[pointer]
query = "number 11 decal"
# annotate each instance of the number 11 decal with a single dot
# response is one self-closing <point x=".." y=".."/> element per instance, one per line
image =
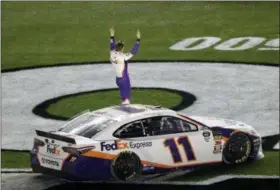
<point x="173" y="148"/>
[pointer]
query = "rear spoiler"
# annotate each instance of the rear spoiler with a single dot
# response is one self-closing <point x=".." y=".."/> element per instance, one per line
<point x="55" y="136"/>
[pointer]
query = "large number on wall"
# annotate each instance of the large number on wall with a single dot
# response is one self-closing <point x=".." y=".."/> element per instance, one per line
<point x="233" y="44"/>
<point x="174" y="150"/>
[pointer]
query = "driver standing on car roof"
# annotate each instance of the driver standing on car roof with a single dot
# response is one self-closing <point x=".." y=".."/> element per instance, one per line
<point x="119" y="59"/>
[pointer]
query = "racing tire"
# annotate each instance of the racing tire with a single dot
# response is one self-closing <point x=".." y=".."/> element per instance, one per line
<point x="237" y="149"/>
<point x="126" y="166"/>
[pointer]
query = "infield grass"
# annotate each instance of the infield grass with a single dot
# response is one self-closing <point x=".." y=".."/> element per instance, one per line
<point x="71" y="106"/>
<point x="45" y="33"/>
<point x="15" y="159"/>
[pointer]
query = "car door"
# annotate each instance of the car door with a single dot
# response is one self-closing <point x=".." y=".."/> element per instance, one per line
<point x="133" y="136"/>
<point x="177" y="142"/>
<point x="168" y="142"/>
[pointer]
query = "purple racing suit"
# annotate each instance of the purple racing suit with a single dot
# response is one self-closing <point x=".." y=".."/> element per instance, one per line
<point x="120" y="63"/>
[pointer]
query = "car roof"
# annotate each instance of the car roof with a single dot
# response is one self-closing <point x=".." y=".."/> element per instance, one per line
<point x="121" y="112"/>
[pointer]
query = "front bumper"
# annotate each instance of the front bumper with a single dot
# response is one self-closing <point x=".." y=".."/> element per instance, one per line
<point x="260" y="154"/>
<point x="257" y="152"/>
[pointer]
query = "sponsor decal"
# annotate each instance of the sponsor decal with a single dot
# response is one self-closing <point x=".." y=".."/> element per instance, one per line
<point x="118" y="145"/>
<point x="52" y="148"/>
<point x="114" y="146"/>
<point x="140" y="145"/>
<point x="148" y="168"/>
<point x="73" y="159"/>
<point x="206" y="135"/>
<point x="49" y="162"/>
<point x="232" y="44"/>
<point x="230" y="122"/>
<point x="217" y="146"/>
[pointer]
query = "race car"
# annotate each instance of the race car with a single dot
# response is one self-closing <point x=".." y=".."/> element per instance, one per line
<point x="124" y="142"/>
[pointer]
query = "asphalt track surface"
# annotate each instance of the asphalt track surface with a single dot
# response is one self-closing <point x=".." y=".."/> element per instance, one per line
<point x="246" y="93"/>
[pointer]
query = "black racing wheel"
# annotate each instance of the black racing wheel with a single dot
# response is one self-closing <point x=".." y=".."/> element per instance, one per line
<point x="126" y="166"/>
<point x="238" y="148"/>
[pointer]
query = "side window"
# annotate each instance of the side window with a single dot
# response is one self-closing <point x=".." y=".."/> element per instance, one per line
<point x="186" y="126"/>
<point x="166" y="125"/>
<point x="130" y="130"/>
<point x="152" y="126"/>
<point x="169" y="125"/>
<point x="161" y="126"/>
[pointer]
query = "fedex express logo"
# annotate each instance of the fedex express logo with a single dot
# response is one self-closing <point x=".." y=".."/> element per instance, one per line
<point x="115" y="146"/>
<point x="53" y="149"/>
<point x="118" y="145"/>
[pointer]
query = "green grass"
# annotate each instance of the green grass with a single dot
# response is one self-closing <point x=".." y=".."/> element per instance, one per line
<point x="267" y="166"/>
<point x="73" y="105"/>
<point x="36" y="33"/>
<point x="15" y="159"/>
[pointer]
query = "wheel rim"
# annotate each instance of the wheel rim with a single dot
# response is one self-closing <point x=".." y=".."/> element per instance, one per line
<point x="124" y="167"/>
<point x="238" y="149"/>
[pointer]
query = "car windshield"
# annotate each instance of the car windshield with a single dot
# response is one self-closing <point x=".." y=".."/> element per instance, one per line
<point x="86" y="124"/>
